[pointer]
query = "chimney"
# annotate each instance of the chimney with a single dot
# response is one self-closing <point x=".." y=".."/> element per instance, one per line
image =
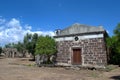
<point x="57" y="32"/>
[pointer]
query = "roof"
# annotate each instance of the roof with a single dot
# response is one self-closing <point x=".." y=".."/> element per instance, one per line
<point x="80" y="29"/>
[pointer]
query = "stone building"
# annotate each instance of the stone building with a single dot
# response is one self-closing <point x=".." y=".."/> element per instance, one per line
<point x="14" y="53"/>
<point x="81" y="45"/>
<point x="10" y="52"/>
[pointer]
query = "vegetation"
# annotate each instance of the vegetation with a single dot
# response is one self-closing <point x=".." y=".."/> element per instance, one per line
<point x="45" y="48"/>
<point x="34" y="44"/>
<point x="45" y="45"/>
<point x="110" y="67"/>
<point x="28" y="44"/>
<point x="0" y="50"/>
<point x="113" y="43"/>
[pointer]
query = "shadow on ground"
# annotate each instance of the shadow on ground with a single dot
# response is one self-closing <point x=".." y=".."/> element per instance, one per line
<point x="115" y="77"/>
<point x="2" y="57"/>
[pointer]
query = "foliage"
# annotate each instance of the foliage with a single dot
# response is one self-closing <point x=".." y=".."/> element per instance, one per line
<point x="110" y="67"/>
<point x="45" y="45"/>
<point x="27" y="41"/>
<point x="113" y="43"/>
<point x="0" y="50"/>
<point x="30" y="42"/>
<point x="33" y="42"/>
<point x="9" y="45"/>
<point x="117" y="32"/>
<point x="20" y="47"/>
<point x="94" y="74"/>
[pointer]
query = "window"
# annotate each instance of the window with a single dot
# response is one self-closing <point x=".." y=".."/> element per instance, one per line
<point x="76" y="38"/>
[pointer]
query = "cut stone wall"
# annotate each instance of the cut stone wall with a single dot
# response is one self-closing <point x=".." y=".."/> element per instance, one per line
<point x="93" y="51"/>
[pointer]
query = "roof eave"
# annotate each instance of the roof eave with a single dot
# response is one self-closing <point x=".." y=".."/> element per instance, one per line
<point x="80" y="34"/>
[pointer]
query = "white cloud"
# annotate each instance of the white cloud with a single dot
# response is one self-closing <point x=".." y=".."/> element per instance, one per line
<point x="107" y="31"/>
<point x="2" y="21"/>
<point x="14" y="23"/>
<point x="13" y="31"/>
<point x="27" y="27"/>
<point x="51" y="33"/>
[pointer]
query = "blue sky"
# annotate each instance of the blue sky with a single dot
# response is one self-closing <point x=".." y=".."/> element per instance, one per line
<point x="45" y="16"/>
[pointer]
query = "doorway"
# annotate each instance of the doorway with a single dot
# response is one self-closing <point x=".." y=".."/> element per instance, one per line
<point x="77" y="56"/>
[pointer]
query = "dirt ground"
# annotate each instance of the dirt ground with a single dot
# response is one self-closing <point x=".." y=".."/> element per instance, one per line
<point x="23" y="69"/>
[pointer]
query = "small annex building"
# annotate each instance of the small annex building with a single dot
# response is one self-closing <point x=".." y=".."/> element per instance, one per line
<point x="81" y="45"/>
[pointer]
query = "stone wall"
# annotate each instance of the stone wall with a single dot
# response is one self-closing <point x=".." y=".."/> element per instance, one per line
<point x="10" y="52"/>
<point x="93" y="51"/>
<point x="13" y="52"/>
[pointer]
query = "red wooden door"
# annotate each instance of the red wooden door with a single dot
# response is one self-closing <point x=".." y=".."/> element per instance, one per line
<point x="76" y="56"/>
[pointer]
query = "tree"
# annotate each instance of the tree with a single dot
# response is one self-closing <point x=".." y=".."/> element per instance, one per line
<point x="27" y="41"/>
<point x="117" y="35"/>
<point x="45" y="45"/>
<point x="30" y="43"/>
<point x="117" y="31"/>
<point x="33" y="44"/>
<point x="111" y="46"/>
<point x="21" y="48"/>
<point x="0" y="50"/>
<point x="9" y="45"/>
<point x="113" y="43"/>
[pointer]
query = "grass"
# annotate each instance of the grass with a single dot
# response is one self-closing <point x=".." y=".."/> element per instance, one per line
<point x="94" y="74"/>
<point x="110" y="67"/>
<point x="30" y="65"/>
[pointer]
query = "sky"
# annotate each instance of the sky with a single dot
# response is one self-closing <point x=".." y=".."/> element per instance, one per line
<point x="18" y="17"/>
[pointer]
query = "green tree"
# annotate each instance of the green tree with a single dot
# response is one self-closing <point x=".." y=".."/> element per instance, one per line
<point x="20" y="47"/>
<point x="117" y="31"/>
<point x="113" y="43"/>
<point x="0" y="50"/>
<point x="111" y="46"/>
<point x="27" y="42"/>
<point x="30" y="43"/>
<point x="33" y="43"/>
<point x="45" y="45"/>
<point x="9" y="45"/>
<point x="117" y="35"/>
